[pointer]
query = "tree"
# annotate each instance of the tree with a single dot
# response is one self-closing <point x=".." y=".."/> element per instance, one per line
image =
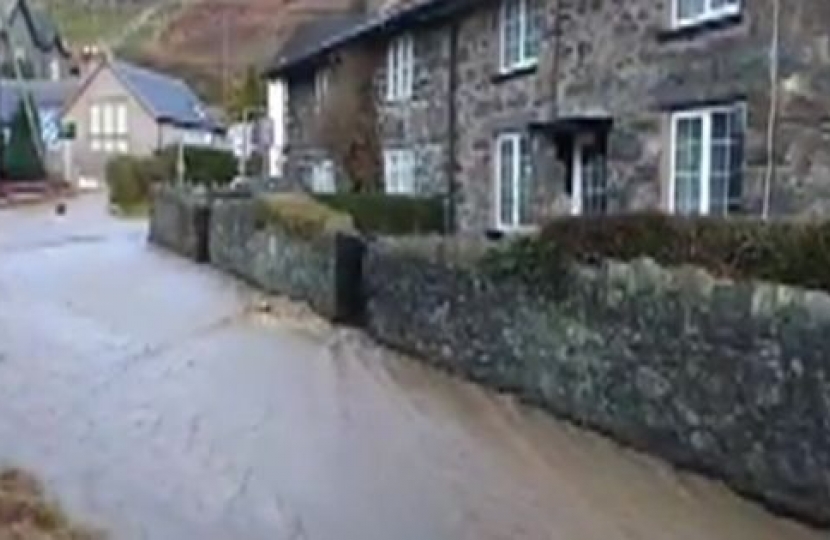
<point x="21" y="159"/>
<point x="347" y="125"/>
<point x="247" y="93"/>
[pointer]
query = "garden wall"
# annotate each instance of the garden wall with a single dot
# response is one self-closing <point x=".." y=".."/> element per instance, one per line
<point x="731" y="379"/>
<point x="179" y="222"/>
<point x="321" y="269"/>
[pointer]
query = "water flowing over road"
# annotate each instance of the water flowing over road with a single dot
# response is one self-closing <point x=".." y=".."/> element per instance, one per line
<point x="156" y="402"/>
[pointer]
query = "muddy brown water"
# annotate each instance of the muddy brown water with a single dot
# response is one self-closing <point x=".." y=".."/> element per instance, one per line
<point x="157" y="402"/>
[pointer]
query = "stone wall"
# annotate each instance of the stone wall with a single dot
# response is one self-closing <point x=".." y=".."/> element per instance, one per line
<point x="420" y="124"/>
<point x="322" y="270"/>
<point x="179" y="222"/>
<point x="731" y="379"/>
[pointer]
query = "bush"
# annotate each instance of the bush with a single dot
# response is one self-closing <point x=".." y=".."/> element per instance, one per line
<point x="206" y="166"/>
<point x="301" y="215"/>
<point x="131" y="179"/>
<point x="390" y="214"/>
<point x="21" y="160"/>
<point x="785" y="252"/>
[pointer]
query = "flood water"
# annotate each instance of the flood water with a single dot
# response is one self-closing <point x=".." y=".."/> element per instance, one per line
<point x="157" y="402"/>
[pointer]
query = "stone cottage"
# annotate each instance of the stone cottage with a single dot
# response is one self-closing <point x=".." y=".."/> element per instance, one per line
<point x="524" y="109"/>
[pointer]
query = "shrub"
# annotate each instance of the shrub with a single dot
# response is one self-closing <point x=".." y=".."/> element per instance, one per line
<point x="130" y="180"/>
<point x="785" y="252"/>
<point x="390" y="214"/>
<point x="301" y="215"/>
<point x="207" y="166"/>
<point x="21" y="160"/>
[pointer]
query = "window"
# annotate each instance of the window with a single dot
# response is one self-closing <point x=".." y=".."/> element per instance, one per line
<point x="399" y="171"/>
<point x="513" y="181"/>
<point x="707" y="160"/>
<point x="589" y="181"/>
<point x="108" y="127"/>
<point x="321" y="87"/>
<point x="54" y="69"/>
<point x="690" y="12"/>
<point x="322" y="177"/>
<point x="400" y="60"/>
<point x="520" y="28"/>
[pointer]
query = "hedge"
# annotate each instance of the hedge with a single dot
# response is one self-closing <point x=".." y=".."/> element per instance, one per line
<point x="206" y="166"/>
<point x="131" y="179"/>
<point x="301" y="215"/>
<point x="384" y="214"/>
<point x="788" y="252"/>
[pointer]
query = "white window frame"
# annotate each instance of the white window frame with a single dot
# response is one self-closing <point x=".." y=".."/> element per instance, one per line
<point x="709" y="13"/>
<point x="704" y="114"/>
<point x="399" y="171"/>
<point x="400" y="68"/>
<point x="109" y="126"/>
<point x="322" y="177"/>
<point x="321" y="86"/>
<point x="514" y="138"/>
<point x="95" y="117"/>
<point x="526" y="60"/>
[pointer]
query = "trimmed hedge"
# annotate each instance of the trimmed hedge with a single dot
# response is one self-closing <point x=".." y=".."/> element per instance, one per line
<point x="794" y="253"/>
<point x="384" y="214"/>
<point x="131" y="180"/>
<point x="205" y="166"/>
<point x="301" y="215"/>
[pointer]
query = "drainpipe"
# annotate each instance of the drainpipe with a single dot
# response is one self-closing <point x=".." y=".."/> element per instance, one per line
<point x="772" y="122"/>
<point x="557" y="58"/>
<point x="450" y="213"/>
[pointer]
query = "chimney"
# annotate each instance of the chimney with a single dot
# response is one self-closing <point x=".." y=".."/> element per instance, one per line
<point x="91" y="56"/>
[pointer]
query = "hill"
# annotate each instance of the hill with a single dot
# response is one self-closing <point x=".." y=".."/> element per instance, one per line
<point x="216" y="40"/>
<point x="207" y="42"/>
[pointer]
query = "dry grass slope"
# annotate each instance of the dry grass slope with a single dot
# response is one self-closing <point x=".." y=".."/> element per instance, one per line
<point x="26" y="513"/>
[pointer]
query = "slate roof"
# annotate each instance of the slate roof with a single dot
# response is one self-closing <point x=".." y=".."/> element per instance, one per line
<point x="323" y="36"/>
<point x="46" y="94"/>
<point x="168" y="99"/>
<point x="309" y="38"/>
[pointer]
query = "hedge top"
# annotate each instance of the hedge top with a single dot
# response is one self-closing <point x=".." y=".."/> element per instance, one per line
<point x="301" y="215"/>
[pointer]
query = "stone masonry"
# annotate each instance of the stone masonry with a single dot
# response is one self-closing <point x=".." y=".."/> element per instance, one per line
<point x="623" y="61"/>
<point x="731" y="379"/>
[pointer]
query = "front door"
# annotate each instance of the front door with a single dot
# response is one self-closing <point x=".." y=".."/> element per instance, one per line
<point x="588" y="176"/>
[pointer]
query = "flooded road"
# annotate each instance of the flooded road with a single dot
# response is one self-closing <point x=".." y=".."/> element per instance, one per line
<point x="156" y="402"/>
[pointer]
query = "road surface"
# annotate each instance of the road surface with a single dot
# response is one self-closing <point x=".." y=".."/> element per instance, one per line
<point x="157" y="403"/>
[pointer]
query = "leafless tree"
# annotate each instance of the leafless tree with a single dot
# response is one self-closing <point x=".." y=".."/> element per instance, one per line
<point x="347" y="123"/>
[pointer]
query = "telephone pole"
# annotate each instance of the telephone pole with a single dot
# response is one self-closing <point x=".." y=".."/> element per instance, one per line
<point x="225" y="58"/>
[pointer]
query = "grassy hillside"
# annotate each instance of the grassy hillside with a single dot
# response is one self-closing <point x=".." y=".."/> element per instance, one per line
<point x="208" y="42"/>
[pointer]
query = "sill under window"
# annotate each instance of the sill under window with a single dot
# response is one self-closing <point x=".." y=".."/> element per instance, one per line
<point x="691" y="31"/>
<point x="514" y="72"/>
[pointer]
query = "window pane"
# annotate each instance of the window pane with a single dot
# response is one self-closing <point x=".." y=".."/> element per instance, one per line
<point x="95" y="119"/>
<point x="511" y="33"/>
<point x="109" y="119"/>
<point x="594" y="181"/>
<point x="689" y="9"/>
<point x="688" y="165"/>
<point x="121" y="119"/>
<point x="525" y="187"/>
<point x="506" y="181"/>
<point x="533" y="33"/>
<point x="408" y="66"/>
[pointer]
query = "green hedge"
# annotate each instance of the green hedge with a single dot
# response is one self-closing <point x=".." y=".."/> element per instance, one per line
<point x="390" y="214"/>
<point x="207" y="166"/>
<point x="301" y="215"/>
<point x="131" y="179"/>
<point x="784" y="252"/>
